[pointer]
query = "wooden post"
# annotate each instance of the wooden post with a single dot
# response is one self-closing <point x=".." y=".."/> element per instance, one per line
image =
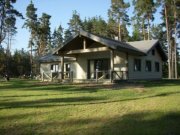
<point x="71" y="76"/>
<point x="62" y="67"/>
<point x="127" y="66"/>
<point x="112" y="64"/>
<point x="96" y="75"/>
<point x="84" y="44"/>
<point x="43" y="76"/>
<point x="51" y="76"/>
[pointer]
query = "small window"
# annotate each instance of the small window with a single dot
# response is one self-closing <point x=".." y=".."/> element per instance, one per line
<point x="157" y="69"/>
<point x="148" y="66"/>
<point x="54" y="67"/>
<point x="137" y="65"/>
<point x="51" y="67"/>
<point x="153" y="52"/>
<point x="67" y="67"/>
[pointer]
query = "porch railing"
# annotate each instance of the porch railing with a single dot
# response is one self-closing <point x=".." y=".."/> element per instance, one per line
<point x="108" y="74"/>
<point x="68" y="75"/>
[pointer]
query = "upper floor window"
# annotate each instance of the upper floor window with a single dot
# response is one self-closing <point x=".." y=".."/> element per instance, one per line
<point x="137" y="64"/>
<point x="153" y="52"/>
<point x="157" y="68"/>
<point x="148" y="66"/>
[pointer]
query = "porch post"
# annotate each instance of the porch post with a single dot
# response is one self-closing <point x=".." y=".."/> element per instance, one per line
<point x="127" y="65"/>
<point x="62" y="67"/>
<point x="112" y="64"/>
<point x="84" y="43"/>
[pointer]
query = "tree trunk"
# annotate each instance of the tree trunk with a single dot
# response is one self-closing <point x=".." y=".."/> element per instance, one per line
<point x="148" y="28"/>
<point x="175" y="46"/>
<point x="119" y="30"/>
<point x="2" y="23"/>
<point x="168" y="43"/>
<point x="143" y="30"/>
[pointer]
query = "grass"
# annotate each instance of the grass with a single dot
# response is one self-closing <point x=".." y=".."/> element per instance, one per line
<point x="141" y="108"/>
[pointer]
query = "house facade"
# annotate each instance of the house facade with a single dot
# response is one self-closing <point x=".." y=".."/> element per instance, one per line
<point x="50" y="67"/>
<point x="98" y="58"/>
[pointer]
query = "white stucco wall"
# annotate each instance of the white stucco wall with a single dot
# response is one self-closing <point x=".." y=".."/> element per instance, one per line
<point x="79" y="67"/>
<point x="143" y="74"/>
<point x="120" y="60"/>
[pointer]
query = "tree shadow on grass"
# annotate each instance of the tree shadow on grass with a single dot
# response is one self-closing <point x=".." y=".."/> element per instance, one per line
<point x="144" y="123"/>
<point x="51" y="102"/>
<point x="139" y="123"/>
<point x="160" y="83"/>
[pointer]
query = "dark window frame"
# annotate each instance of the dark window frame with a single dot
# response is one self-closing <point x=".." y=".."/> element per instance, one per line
<point x="153" y="52"/>
<point x="55" y="67"/>
<point x="157" y="66"/>
<point x="148" y="66"/>
<point x="137" y="65"/>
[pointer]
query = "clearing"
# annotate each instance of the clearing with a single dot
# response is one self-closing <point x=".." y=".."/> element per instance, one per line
<point x="141" y="108"/>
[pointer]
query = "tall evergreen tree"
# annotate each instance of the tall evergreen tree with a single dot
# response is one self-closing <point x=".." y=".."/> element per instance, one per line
<point x="146" y="10"/>
<point x="118" y="13"/>
<point x="7" y="17"/>
<point x="44" y="35"/>
<point x="96" y="25"/>
<point x="170" y="18"/>
<point x="67" y="34"/>
<point x="57" y="37"/>
<point x="75" y="23"/>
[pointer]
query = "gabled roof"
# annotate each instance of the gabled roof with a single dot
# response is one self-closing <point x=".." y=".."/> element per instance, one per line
<point x="113" y="44"/>
<point x="53" y="58"/>
<point x="144" y="45"/>
<point x="147" y="45"/>
<point x="136" y="47"/>
<point x="50" y="58"/>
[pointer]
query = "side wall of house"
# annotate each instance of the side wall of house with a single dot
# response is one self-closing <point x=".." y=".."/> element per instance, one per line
<point x="143" y="74"/>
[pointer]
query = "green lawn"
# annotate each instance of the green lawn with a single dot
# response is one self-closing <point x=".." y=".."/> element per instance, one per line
<point x="141" y="108"/>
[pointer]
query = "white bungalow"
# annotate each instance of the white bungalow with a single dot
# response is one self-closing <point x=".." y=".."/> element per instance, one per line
<point x="100" y="59"/>
<point x="50" y="67"/>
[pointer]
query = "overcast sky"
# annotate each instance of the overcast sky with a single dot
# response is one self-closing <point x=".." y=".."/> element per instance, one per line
<point x="61" y="12"/>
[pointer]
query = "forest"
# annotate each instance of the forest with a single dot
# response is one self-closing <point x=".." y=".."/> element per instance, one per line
<point x="44" y="40"/>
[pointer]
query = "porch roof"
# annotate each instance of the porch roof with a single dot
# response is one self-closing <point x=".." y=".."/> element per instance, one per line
<point x="53" y="58"/>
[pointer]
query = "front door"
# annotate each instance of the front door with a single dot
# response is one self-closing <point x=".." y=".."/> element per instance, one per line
<point x="100" y="65"/>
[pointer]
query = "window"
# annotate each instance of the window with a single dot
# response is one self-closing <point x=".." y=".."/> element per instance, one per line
<point x="157" y="69"/>
<point x="153" y="52"/>
<point x="51" y="67"/>
<point x="54" y="67"/>
<point x="137" y="65"/>
<point x="148" y="66"/>
<point x="67" y="67"/>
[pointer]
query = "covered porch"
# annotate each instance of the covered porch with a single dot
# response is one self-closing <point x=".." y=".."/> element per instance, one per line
<point x="95" y="62"/>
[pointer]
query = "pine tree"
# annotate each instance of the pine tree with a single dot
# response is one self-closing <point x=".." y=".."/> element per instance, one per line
<point x="44" y="35"/>
<point x="8" y="17"/>
<point x="57" y="37"/>
<point x="75" y="23"/>
<point x="118" y="13"/>
<point x="67" y="35"/>
<point x="145" y="9"/>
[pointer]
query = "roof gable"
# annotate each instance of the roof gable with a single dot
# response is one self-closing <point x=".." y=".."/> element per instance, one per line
<point x="112" y="44"/>
<point x="136" y="47"/>
<point x="147" y="45"/>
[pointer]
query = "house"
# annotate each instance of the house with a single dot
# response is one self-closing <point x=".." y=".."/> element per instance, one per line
<point x="50" y="66"/>
<point x="98" y="58"/>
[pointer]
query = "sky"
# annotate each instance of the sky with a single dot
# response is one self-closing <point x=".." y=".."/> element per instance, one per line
<point x="61" y="12"/>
